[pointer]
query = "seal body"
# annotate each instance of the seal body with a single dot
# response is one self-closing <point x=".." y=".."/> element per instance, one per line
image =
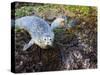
<point x="40" y="31"/>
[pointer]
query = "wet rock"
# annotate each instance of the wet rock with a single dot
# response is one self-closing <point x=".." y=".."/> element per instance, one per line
<point x="71" y="50"/>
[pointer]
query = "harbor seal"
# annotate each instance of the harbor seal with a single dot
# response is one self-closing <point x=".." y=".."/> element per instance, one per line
<point x="59" y="22"/>
<point x="39" y="30"/>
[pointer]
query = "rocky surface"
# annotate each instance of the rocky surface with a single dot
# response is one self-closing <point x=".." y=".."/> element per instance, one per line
<point x="74" y="48"/>
<point x="77" y="50"/>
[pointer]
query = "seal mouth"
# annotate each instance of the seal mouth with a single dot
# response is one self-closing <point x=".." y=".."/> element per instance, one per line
<point x="46" y="47"/>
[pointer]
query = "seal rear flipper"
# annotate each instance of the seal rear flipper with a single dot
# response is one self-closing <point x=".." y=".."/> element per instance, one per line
<point x="26" y="46"/>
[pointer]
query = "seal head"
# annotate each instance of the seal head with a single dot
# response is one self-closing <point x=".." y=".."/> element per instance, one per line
<point x="46" y="40"/>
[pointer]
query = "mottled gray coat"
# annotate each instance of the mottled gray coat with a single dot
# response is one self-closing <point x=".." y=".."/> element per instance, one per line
<point x="39" y="30"/>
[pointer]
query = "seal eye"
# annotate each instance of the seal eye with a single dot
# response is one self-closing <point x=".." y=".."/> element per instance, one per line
<point x="44" y="39"/>
<point x="49" y="38"/>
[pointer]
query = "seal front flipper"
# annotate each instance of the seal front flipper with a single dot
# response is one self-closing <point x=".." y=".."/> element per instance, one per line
<point x="26" y="46"/>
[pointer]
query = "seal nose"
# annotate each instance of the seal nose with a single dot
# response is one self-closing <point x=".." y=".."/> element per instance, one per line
<point x="48" y="43"/>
